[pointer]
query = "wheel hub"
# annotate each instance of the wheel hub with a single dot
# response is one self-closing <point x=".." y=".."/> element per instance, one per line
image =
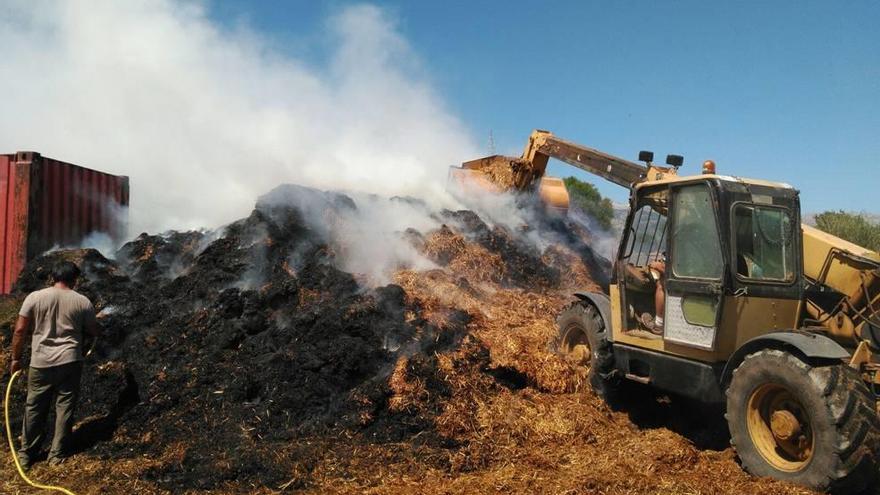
<point x="576" y="347"/>
<point x="784" y="425"/>
<point x="780" y="428"/>
<point x="580" y="353"/>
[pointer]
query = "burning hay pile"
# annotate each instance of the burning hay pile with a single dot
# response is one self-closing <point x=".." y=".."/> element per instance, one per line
<point x="254" y="360"/>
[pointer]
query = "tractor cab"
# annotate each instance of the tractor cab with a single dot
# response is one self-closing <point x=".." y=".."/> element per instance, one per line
<point x="701" y="252"/>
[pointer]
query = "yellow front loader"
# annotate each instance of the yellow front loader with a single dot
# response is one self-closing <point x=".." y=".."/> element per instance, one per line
<point x="719" y="293"/>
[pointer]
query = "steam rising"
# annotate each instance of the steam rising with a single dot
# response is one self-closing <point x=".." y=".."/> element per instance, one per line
<point x="204" y="118"/>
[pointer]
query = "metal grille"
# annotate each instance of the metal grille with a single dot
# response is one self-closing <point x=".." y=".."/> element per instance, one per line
<point x="648" y="236"/>
<point x="676" y="329"/>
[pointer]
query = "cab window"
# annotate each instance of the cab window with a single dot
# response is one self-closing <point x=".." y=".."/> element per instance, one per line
<point x="764" y="247"/>
<point x="696" y="248"/>
<point x="647" y="240"/>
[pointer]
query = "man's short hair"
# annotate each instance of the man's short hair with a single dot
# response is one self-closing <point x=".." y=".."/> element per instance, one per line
<point x="66" y="272"/>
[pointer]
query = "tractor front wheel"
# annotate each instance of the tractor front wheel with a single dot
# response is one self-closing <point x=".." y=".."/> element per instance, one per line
<point x="812" y="425"/>
<point x="582" y="340"/>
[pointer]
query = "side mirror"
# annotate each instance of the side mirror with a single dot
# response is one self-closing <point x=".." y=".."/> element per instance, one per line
<point x="646" y="156"/>
<point x="674" y="160"/>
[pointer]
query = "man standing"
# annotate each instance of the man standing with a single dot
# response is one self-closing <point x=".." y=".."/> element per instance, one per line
<point x="58" y="316"/>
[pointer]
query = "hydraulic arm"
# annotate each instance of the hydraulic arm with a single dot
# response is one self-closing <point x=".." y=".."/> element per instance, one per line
<point x="543" y="145"/>
<point x="504" y="173"/>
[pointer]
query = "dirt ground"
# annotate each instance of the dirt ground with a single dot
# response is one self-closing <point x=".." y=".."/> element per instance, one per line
<point x="247" y="361"/>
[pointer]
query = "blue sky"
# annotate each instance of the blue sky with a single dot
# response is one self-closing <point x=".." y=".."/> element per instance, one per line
<point x="787" y="91"/>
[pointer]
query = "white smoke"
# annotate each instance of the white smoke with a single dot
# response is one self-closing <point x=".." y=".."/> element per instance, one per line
<point x="205" y="118"/>
<point x="99" y="241"/>
<point x="375" y="236"/>
<point x="604" y="242"/>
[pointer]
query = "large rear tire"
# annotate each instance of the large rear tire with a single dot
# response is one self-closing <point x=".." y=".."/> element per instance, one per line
<point x="582" y="339"/>
<point x="811" y="425"/>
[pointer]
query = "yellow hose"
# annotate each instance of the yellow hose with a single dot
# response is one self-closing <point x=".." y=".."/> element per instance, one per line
<point x="12" y="443"/>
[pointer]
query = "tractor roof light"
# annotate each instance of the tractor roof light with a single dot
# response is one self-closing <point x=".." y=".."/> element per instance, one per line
<point x="674" y="160"/>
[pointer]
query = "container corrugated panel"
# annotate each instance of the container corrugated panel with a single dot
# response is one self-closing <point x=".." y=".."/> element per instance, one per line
<point x="47" y="203"/>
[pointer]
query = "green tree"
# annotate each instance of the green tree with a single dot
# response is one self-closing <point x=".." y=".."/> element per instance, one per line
<point x="852" y="227"/>
<point x="585" y="197"/>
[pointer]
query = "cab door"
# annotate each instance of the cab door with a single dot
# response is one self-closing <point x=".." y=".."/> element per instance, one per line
<point x="696" y="267"/>
<point x="644" y="241"/>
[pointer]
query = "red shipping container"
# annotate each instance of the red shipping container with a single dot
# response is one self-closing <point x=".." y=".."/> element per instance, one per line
<point x="47" y="203"/>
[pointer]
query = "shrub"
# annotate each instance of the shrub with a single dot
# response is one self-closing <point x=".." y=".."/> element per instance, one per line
<point x="852" y="227"/>
<point x="585" y="197"/>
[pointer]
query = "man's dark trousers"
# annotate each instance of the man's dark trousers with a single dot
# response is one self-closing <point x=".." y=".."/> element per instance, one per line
<point x="62" y="382"/>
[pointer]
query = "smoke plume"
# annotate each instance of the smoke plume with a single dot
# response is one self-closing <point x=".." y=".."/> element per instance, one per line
<point x="204" y="118"/>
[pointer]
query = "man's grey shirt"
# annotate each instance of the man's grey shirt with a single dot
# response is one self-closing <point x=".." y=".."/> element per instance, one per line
<point x="59" y="317"/>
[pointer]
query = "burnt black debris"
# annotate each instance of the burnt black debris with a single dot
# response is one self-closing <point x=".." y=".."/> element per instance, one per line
<point x="222" y="348"/>
<point x="151" y="257"/>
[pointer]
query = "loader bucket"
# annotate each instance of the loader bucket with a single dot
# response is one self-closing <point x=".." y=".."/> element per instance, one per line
<point x="497" y="174"/>
<point x="553" y="194"/>
<point x="467" y="182"/>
